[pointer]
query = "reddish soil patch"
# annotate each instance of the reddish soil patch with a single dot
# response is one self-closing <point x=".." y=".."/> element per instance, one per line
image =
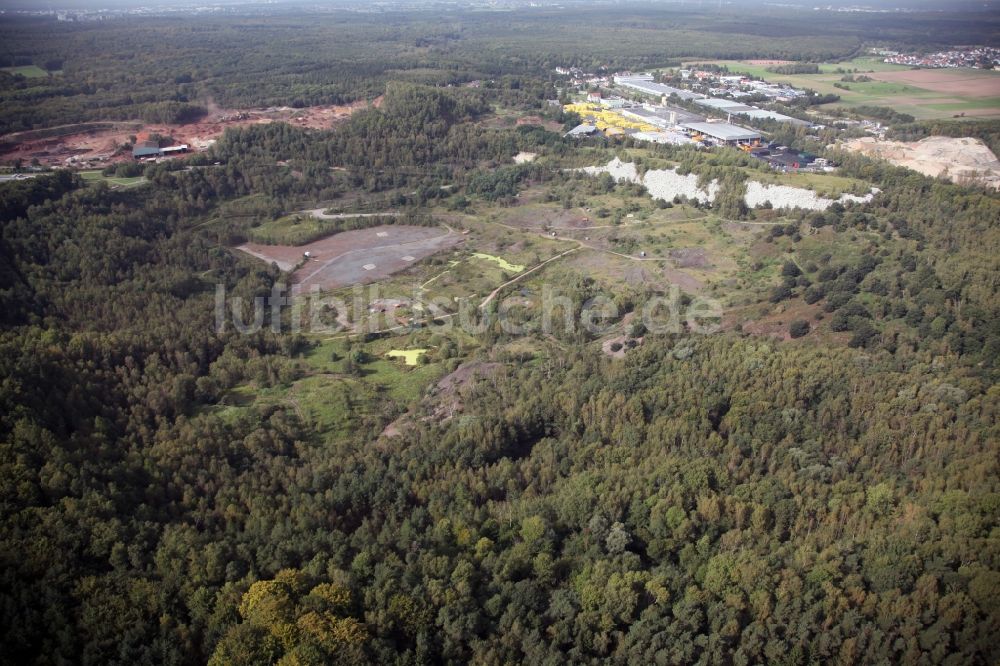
<point x="607" y="345"/>
<point x="538" y="218"/>
<point x="621" y="340"/>
<point x="774" y="321"/>
<point x="452" y="388"/>
<point x="636" y="276"/>
<point x="690" y="257"/>
<point x="448" y="393"/>
<point x="634" y="272"/>
<point x="965" y="83"/>
<point x="550" y="125"/>
<point x="97" y="147"/>
<point x="686" y="282"/>
<point x="355" y="257"/>
<point x="450" y="385"/>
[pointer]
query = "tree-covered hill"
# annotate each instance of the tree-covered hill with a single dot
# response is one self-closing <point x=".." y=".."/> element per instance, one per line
<point x="168" y="68"/>
<point x="722" y="498"/>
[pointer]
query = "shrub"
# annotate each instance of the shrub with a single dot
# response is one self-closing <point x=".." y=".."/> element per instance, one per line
<point x="790" y="269"/>
<point x="813" y="294"/>
<point x="780" y="293"/>
<point x="798" y="328"/>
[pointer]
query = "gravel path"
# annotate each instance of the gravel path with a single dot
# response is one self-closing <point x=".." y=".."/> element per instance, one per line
<point x="318" y="212"/>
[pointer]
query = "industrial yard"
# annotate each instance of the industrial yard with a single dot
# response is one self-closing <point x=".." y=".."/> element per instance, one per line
<point x="632" y="110"/>
<point x="98" y="144"/>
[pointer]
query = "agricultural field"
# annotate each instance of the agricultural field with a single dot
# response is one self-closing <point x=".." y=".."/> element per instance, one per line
<point x="925" y="94"/>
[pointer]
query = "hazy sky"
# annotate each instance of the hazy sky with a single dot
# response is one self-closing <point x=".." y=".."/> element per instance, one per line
<point x="974" y="5"/>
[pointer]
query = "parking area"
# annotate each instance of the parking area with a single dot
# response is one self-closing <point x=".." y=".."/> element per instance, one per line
<point x="355" y="257"/>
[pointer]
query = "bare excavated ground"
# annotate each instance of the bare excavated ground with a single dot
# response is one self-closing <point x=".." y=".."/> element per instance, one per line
<point x="448" y="394"/>
<point x="614" y="268"/>
<point x="540" y="216"/>
<point x="964" y="160"/>
<point x="355" y="257"/>
<point x="101" y="143"/>
<point x="690" y="257"/>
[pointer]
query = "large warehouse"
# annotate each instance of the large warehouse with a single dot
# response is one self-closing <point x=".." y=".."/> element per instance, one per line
<point x="648" y="87"/>
<point x="728" y="106"/>
<point x="147" y="149"/>
<point x="663" y="116"/>
<point x="723" y="133"/>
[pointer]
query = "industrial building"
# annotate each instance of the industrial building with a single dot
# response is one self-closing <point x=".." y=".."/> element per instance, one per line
<point x="723" y="134"/>
<point x="613" y="103"/>
<point x="147" y="149"/>
<point x="674" y="138"/>
<point x="582" y="131"/>
<point x="729" y="106"/>
<point x="647" y="86"/>
<point x="664" y="117"/>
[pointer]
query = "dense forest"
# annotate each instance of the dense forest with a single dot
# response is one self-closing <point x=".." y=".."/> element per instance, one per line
<point x="165" y="69"/>
<point x="726" y="498"/>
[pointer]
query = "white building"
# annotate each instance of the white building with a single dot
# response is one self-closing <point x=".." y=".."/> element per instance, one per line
<point x="723" y="133"/>
<point x="613" y="103"/>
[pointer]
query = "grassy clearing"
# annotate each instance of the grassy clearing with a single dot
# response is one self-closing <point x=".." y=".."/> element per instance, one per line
<point x="28" y="71"/>
<point x="825" y="185"/>
<point x="97" y="177"/>
<point x="402" y="383"/>
<point x="328" y="403"/>
<point x="348" y="384"/>
<point x="303" y="228"/>
<point x="992" y="103"/>
<point x="828" y="246"/>
<point x="295" y="229"/>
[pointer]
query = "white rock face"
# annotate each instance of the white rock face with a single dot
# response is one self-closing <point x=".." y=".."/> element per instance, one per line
<point x="619" y="170"/>
<point x="667" y="183"/>
<point x="661" y="183"/>
<point x="784" y="196"/>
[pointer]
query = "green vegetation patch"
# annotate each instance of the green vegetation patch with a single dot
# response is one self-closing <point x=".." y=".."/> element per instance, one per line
<point x="303" y="228"/>
<point x="369" y="364"/>
<point x="28" y="71"/>
<point x="98" y="177"/>
<point x="503" y="263"/>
